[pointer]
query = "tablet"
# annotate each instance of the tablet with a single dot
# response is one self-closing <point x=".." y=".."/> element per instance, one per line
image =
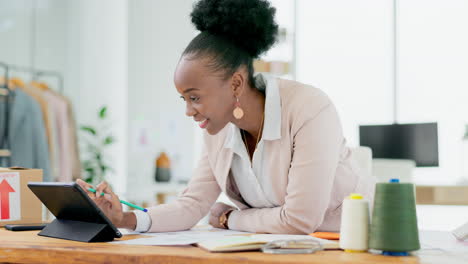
<point x="68" y="201"/>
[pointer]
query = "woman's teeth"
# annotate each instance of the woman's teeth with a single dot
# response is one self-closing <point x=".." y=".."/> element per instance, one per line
<point x="203" y="123"/>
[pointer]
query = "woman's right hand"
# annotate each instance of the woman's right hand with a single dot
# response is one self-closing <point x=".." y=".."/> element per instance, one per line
<point x="109" y="203"/>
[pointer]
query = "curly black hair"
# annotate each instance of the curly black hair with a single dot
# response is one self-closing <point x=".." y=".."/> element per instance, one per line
<point x="233" y="33"/>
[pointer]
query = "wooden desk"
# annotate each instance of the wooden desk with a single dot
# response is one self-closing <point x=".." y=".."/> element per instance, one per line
<point x="27" y="247"/>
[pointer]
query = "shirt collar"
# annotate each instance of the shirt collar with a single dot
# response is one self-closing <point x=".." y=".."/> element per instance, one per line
<point x="272" y="122"/>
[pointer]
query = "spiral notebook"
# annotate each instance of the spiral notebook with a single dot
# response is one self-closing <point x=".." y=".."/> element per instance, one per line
<point x="256" y="241"/>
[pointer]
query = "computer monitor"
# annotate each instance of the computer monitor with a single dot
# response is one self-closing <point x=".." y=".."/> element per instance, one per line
<point x="418" y="142"/>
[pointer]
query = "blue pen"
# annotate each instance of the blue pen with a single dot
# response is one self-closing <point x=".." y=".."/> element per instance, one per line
<point x="122" y="201"/>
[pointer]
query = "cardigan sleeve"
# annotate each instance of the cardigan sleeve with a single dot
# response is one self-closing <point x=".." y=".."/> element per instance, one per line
<point x="194" y="203"/>
<point x="316" y="151"/>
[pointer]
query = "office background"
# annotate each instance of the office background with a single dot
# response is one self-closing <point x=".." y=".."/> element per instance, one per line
<point x="122" y="54"/>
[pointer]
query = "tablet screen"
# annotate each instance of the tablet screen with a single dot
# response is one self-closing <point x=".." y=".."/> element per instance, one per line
<point x="69" y="202"/>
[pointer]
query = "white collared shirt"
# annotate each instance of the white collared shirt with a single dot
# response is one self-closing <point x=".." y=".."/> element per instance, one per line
<point x="251" y="177"/>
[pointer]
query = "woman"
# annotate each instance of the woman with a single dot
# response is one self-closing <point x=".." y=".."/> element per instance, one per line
<point x="275" y="147"/>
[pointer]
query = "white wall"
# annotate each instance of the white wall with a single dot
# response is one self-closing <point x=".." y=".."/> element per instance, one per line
<point x="33" y="35"/>
<point x="87" y="42"/>
<point x="16" y="32"/>
<point x="158" y="33"/>
<point x="116" y="53"/>
<point x="345" y="48"/>
<point x="97" y="70"/>
<point x="433" y="80"/>
<point x="123" y="54"/>
<point x="50" y="31"/>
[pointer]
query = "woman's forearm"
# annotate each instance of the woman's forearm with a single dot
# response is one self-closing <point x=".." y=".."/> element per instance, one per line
<point x="128" y="221"/>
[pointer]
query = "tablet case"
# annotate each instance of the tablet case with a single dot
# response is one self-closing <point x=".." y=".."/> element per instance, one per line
<point x="77" y="216"/>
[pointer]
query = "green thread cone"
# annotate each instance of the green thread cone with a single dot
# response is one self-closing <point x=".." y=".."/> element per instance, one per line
<point x="394" y="225"/>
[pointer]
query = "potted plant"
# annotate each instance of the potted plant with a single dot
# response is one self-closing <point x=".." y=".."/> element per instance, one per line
<point x="97" y="139"/>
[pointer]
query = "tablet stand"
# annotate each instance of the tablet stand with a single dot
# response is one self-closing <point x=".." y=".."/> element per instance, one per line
<point x="78" y="231"/>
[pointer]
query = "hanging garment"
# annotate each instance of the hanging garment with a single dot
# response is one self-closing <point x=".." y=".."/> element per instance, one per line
<point x="27" y="136"/>
<point x="74" y="150"/>
<point x="4" y="142"/>
<point x="55" y="144"/>
<point x="61" y="123"/>
<point x="38" y="96"/>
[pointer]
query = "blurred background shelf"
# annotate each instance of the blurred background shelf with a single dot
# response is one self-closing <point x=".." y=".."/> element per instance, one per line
<point x="442" y="195"/>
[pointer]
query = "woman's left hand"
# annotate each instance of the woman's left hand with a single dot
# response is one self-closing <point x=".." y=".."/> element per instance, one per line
<point x="216" y="211"/>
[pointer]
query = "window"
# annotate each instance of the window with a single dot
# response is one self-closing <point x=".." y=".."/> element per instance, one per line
<point x="346" y="49"/>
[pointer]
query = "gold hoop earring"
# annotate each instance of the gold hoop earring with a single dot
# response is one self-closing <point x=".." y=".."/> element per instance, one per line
<point x="238" y="112"/>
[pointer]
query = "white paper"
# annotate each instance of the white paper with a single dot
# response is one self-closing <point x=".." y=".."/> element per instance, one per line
<point x="188" y="237"/>
<point x="441" y="240"/>
<point x="125" y="232"/>
<point x="10" y="194"/>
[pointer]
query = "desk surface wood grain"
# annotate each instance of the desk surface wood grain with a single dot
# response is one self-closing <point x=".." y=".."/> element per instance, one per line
<point x="28" y="247"/>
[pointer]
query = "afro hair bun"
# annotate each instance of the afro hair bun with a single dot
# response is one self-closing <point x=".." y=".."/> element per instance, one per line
<point x="248" y="24"/>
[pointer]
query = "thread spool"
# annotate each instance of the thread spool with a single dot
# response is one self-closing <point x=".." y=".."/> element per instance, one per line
<point x="394" y="227"/>
<point x="354" y="228"/>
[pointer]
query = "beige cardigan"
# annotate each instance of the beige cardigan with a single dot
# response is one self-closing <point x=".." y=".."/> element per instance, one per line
<point x="312" y="170"/>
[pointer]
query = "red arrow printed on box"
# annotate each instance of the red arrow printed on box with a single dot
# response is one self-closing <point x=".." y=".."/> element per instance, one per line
<point x="5" y="190"/>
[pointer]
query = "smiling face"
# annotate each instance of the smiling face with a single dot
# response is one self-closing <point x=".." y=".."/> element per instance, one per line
<point x="209" y="97"/>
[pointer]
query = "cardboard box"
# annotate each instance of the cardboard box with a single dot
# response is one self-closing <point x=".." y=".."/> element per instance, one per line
<point x="18" y="205"/>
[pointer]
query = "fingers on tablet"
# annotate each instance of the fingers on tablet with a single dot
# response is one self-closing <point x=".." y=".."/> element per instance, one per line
<point x="109" y="197"/>
<point x="101" y="187"/>
<point x="85" y="186"/>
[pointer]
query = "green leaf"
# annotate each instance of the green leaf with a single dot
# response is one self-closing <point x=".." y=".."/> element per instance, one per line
<point x="109" y="140"/>
<point x="93" y="149"/>
<point x="103" y="112"/>
<point x="94" y="142"/>
<point x="104" y="168"/>
<point x="89" y="129"/>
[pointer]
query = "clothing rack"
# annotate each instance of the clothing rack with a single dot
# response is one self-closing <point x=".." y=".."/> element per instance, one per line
<point x="4" y="94"/>
<point x="53" y="74"/>
<point x="38" y="73"/>
<point x="4" y="88"/>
